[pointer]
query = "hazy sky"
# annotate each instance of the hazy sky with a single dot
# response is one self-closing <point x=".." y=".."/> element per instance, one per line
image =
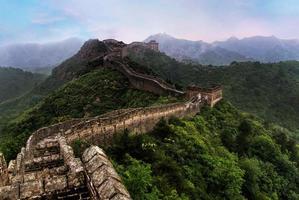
<point x="130" y="20"/>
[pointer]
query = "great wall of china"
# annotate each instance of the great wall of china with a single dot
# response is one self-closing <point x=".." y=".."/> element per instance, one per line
<point x="47" y="168"/>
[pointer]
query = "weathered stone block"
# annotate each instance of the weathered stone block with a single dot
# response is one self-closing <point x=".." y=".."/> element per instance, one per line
<point x="9" y="193"/>
<point x="95" y="163"/>
<point x="91" y="152"/>
<point x="120" y="197"/>
<point x="30" y="189"/>
<point x="75" y="180"/>
<point x="29" y="177"/>
<point x="110" y="188"/>
<point x="55" y="183"/>
<point x="103" y="176"/>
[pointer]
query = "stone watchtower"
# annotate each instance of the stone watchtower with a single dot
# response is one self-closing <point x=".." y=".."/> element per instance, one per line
<point x="210" y="95"/>
<point x="153" y="45"/>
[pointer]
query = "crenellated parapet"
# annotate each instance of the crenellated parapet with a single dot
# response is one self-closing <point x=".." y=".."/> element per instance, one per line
<point x="47" y="167"/>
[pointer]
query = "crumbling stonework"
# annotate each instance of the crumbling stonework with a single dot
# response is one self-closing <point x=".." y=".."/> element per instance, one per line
<point x="50" y="172"/>
<point x="3" y="170"/>
<point x="104" y="181"/>
<point x="47" y="167"/>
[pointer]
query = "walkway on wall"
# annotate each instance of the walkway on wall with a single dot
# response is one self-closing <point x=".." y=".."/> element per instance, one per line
<point x="116" y="63"/>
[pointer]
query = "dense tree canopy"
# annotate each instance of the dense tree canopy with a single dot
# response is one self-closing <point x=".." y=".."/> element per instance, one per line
<point x="270" y="91"/>
<point x="219" y="154"/>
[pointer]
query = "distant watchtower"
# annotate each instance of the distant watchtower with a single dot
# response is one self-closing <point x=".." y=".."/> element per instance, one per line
<point x="153" y="45"/>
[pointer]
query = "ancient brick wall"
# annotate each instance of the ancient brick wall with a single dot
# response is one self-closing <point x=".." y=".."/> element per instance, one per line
<point x="142" y="81"/>
<point x="51" y="173"/>
<point x="3" y="170"/>
<point x="104" y="182"/>
<point x="47" y="167"/>
<point x="100" y="130"/>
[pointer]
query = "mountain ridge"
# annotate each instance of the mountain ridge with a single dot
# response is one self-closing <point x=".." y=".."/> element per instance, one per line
<point x="33" y="56"/>
<point x="267" y="49"/>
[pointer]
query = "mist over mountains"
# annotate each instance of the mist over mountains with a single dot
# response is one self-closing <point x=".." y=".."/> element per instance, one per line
<point x="34" y="55"/>
<point x="257" y="48"/>
<point x="43" y="57"/>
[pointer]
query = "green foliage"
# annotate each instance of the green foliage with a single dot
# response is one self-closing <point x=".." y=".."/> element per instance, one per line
<point x="203" y="158"/>
<point x="268" y="90"/>
<point x="79" y="146"/>
<point x="16" y="82"/>
<point x="92" y="94"/>
<point x="138" y="177"/>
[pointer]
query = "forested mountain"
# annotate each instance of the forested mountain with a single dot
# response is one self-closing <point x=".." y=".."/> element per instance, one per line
<point x="271" y="91"/>
<point x="16" y="82"/>
<point x="66" y="71"/>
<point x="221" y="153"/>
<point x="35" y="56"/>
<point x="258" y="48"/>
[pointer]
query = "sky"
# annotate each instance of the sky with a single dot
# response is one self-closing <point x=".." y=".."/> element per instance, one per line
<point x="134" y="20"/>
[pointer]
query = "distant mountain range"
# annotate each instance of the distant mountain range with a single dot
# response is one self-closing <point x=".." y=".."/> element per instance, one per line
<point x="258" y="48"/>
<point x="34" y="56"/>
<point x="44" y="57"/>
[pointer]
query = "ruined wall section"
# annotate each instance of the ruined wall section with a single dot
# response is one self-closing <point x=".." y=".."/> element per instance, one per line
<point x="3" y="170"/>
<point x="52" y="173"/>
<point x="103" y="180"/>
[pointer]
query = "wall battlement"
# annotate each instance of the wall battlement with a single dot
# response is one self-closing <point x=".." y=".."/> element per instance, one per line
<point x="47" y="168"/>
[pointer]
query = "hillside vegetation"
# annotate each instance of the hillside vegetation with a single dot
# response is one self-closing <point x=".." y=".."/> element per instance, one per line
<point x="271" y="91"/>
<point x="91" y="94"/>
<point x="68" y="70"/>
<point x="222" y="153"/>
<point x="219" y="154"/>
<point x="16" y="82"/>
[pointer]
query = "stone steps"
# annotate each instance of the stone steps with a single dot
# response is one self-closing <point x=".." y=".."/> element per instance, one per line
<point x="40" y="163"/>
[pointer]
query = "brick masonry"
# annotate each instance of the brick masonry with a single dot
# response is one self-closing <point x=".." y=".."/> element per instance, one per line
<point x="47" y="167"/>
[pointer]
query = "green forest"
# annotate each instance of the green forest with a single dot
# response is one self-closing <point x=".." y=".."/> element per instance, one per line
<point x="270" y="91"/>
<point x="16" y="82"/>
<point x="244" y="148"/>
<point x="219" y="154"/>
<point x="92" y="94"/>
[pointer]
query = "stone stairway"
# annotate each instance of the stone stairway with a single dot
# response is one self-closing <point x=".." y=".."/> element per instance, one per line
<point x="49" y="172"/>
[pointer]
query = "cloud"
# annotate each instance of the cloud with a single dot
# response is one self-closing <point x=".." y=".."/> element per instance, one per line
<point x="130" y="20"/>
<point x="44" y="19"/>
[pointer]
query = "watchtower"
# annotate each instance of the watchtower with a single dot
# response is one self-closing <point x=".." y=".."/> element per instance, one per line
<point x="153" y="45"/>
<point x="210" y="95"/>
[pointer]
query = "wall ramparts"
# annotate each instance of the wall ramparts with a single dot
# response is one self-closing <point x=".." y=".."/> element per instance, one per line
<point x="101" y="129"/>
<point x="103" y="180"/>
<point x="142" y="81"/>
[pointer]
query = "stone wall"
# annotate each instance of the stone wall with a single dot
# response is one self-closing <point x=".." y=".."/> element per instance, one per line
<point x="210" y="95"/>
<point x="100" y="130"/>
<point x="104" y="181"/>
<point x="51" y="173"/>
<point x="3" y="170"/>
<point x="142" y="81"/>
<point x="47" y="167"/>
